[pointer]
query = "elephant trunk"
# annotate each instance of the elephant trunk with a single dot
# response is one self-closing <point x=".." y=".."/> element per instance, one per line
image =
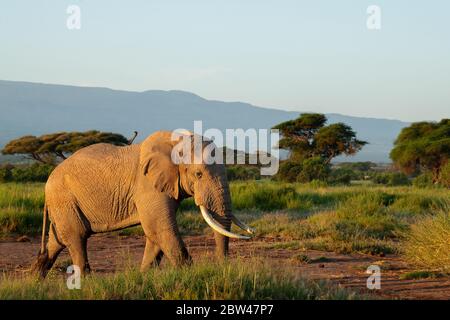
<point x="223" y="217"/>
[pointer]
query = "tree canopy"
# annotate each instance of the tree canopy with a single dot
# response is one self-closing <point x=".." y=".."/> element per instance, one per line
<point x="312" y="145"/>
<point x="423" y="146"/>
<point x="49" y="147"/>
<point x="308" y="136"/>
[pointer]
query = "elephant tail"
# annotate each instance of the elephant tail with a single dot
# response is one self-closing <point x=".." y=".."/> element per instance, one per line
<point x="44" y="227"/>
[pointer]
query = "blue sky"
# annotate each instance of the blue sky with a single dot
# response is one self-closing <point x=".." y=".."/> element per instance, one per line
<point x="293" y="55"/>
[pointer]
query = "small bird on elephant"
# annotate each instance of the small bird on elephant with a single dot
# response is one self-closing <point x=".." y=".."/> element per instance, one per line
<point x="104" y="188"/>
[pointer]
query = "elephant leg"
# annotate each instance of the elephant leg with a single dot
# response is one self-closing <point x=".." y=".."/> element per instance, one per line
<point x="174" y="248"/>
<point x="168" y="239"/>
<point x="222" y="242"/>
<point x="77" y="246"/>
<point x="46" y="260"/>
<point x="73" y="231"/>
<point x="152" y="255"/>
<point x="221" y="245"/>
<point x="159" y="224"/>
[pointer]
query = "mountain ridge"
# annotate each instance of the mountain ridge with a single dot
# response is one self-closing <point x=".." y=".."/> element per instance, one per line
<point x="38" y="108"/>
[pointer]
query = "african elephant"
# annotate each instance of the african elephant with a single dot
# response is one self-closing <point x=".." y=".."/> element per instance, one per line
<point x="103" y="188"/>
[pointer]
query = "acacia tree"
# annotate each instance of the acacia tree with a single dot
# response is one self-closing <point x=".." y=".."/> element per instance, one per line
<point x="423" y="146"/>
<point x="308" y="137"/>
<point x="49" y="147"/>
<point x="298" y="135"/>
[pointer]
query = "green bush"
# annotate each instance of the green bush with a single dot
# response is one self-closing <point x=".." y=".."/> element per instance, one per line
<point x="32" y="173"/>
<point x="357" y="166"/>
<point x="240" y="172"/>
<point x="25" y="173"/>
<point x="424" y="180"/>
<point x="367" y="214"/>
<point x="306" y="171"/>
<point x="380" y="178"/>
<point x="444" y="177"/>
<point x="398" y="179"/>
<point x="289" y="171"/>
<point x="342" y="176"/>
<point x="5" y="173"/>
<point x="391" y="179"/>
<point x="314" y="169"/>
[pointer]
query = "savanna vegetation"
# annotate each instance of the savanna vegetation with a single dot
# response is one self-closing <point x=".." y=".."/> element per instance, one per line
<point x="205" y="279"/>
<point x="368" y="219"/>
<point x="423" y="147"/>
<point x="54" y="147"/>
<point x="312" y="145"/>
<point x="362" y="207"/>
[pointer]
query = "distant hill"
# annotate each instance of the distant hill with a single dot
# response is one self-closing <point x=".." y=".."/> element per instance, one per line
<point x="34" y="108"/>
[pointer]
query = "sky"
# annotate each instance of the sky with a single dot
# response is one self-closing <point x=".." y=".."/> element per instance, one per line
<point x="316" y="56"/>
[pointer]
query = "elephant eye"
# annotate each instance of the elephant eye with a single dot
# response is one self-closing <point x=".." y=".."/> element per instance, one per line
<point x="198" y="174"/>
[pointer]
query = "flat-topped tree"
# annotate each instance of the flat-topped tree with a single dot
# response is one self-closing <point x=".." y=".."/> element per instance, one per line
<point x="49" y="148"/>
<point x="312" y="146"/>
<point x="308" y="136"/>
<point x="298" y="135"/>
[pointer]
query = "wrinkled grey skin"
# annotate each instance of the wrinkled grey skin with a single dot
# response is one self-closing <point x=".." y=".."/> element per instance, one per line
<point x="103" y="188"/>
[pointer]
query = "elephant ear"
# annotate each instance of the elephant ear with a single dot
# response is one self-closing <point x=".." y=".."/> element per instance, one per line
<point x="156" y="164"/>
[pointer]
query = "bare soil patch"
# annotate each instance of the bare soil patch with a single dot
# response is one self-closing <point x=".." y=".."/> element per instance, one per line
<point x="109" y="253"/>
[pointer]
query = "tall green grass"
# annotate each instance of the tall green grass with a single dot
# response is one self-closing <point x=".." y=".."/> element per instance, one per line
<point x="203" y="280"/>
<point x="356" y="219"/>
<point x="369" y="219"/>
<point x="21" y="207"/>
<point x="427" y="246"/>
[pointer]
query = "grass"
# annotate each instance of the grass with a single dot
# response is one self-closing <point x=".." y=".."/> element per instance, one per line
<point x="363" y="218"/>
<point x="427" y="245"/>
<point x="21" y="208"/>
<point x="203" y="280"/>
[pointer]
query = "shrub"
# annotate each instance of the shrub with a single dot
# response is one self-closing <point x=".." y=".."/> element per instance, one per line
<point x="342" y="176"/>
<point x="289" y="171"/>
<point x="444" y="177"/>
<point x="314" y="169"/>
<point x="31" y="173"/>
<point x="424" y="180"/>
<point x="304" y="171"/>
<point x="316" y="184"/>
<point x="391" y="179"/>
<point x="240" y="172"/>
<point x="5" y="173"/>
<point x="427" y="245"/>
<point x="398" y="179"/>
<point x="367" y="214"/>
<point x="358" y="166"/>
<point x="25" y="173"/>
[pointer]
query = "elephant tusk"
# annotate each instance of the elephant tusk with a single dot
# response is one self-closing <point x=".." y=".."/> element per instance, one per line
<point x="242" y="225"/>
<point x="217" y="227"/>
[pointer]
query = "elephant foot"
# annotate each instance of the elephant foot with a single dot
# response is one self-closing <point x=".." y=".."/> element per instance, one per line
<point x="41" y="266"/>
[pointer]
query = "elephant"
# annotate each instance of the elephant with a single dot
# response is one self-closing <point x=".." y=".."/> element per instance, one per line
<point x="102" y="188"/>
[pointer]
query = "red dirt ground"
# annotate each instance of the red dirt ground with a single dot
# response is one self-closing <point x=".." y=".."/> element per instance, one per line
<point x="106" y="250"/>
